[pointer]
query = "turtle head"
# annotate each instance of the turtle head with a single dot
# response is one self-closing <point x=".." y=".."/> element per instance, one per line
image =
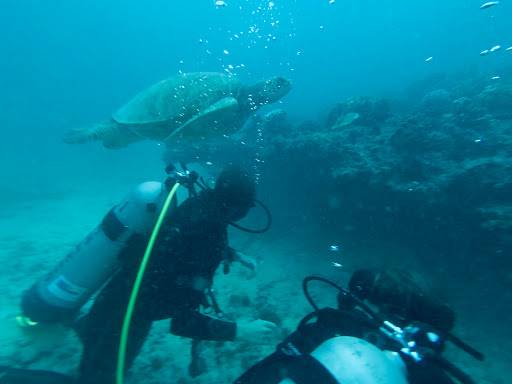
<point x="268" y="91"/>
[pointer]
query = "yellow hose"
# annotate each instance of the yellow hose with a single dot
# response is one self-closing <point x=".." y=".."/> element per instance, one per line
<point x="121" y="357"/>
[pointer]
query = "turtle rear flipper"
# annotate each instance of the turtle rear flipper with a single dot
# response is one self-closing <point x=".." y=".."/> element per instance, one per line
<point x="220" y="117"/>
<point x="79" y="136"/>
<point x="108" y="132"/>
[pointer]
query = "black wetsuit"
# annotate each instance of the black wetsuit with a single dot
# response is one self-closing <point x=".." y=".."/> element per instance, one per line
<point x="292" y="357"/>
<point x="192" y="244"/>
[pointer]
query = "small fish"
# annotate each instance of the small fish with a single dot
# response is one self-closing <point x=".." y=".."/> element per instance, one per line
<point x="429" y="59"/>
<point x="332" y="1"/>
<point x="495" y="78"/>
<point x="509" y="49"/>
<point x="495" y="48"/>
<point x="489" y="4"/>
<point x="334" y="248"/>
<point x="336" y="264"/>
<point x="478" y="140"/>
<point x="220" y="3"/>
<point x="485" y="52"/>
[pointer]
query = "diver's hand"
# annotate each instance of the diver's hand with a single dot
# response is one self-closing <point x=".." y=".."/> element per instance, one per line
<point x="255" y="330"/>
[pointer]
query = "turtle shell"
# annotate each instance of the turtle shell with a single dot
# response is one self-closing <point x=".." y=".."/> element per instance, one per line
<point x="176" y="100"/>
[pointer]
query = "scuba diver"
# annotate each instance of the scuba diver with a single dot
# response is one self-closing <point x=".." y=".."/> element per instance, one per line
<point x="386" y="329"/>
<point x="191" y="244"/>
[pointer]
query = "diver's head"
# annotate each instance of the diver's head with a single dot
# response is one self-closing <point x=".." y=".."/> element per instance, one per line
<point x="400" y="293"/>
<point x="362" y="282"/>
<point x="269" y="91"/>
<point x="235" y="192"/>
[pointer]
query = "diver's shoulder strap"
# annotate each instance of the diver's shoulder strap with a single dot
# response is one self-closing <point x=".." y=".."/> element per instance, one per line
<point x="287" y="362"/>
<point x="305" y="369"/>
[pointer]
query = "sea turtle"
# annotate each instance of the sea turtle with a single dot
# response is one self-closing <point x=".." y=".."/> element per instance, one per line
<point x="191" y="105"/>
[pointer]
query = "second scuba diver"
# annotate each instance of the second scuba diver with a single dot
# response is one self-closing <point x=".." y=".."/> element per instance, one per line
<point x="191" y="245"/>
<point x="400" y="341"/>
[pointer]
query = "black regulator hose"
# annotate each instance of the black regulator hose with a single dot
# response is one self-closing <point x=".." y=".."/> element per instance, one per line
<point x="305" y="288"/>
<point x="453" y="370"/>
<point x="257" y="231"/>
<point x="466" y="347"/>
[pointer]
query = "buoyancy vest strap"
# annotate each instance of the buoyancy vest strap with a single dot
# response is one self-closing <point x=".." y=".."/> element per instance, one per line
<point x="112" y="226"/>
<point x="305" y="369"/>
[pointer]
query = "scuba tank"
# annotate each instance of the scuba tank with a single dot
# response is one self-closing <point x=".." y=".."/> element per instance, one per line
<point x="350" y="360"/>
<point x="58" y="296"/>
<point x="353" y="360"/>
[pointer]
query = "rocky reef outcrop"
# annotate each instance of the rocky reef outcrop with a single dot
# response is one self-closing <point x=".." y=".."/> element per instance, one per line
<point x="434" y="174"/>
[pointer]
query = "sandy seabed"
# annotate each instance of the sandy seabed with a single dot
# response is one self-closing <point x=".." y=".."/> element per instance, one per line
<point x="36" y="234"/>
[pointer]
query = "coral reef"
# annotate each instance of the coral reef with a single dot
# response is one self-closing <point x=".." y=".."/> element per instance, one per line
<point x="361" y="110"/>
<point x="429" y="175"/>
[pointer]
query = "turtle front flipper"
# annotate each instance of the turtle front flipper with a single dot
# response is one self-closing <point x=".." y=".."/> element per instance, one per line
<point x="217" y="119"/>
<point x="109" y="132"/>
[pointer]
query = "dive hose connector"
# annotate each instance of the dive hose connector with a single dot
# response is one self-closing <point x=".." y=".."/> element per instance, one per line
<point x="415" y="340"/>
<point x="186" y="178"/>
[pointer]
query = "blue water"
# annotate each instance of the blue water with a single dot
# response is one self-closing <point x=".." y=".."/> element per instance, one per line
<point x="76" y="61"/>
<point x="66" y="64"/>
